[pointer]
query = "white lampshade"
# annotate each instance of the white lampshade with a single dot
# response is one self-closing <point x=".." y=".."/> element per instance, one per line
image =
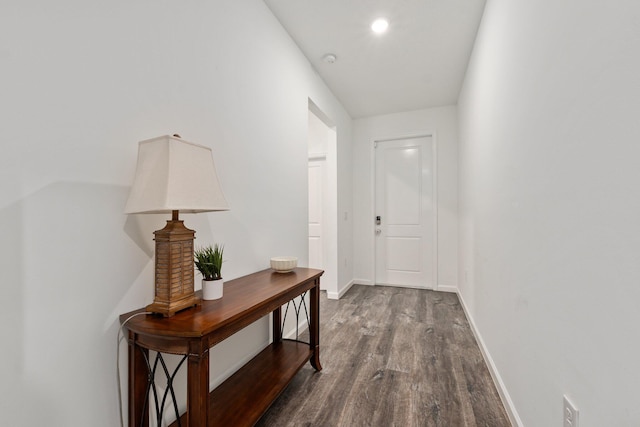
<point x="173" y="174"/>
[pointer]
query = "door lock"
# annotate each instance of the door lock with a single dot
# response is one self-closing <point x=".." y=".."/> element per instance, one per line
<point x="378" y="221"/>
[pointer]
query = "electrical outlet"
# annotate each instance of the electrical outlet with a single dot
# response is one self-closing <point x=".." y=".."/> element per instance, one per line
<point x="570" y="413"/>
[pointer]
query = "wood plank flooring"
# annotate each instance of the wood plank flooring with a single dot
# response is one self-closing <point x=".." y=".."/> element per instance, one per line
<point x="392" y="357"/>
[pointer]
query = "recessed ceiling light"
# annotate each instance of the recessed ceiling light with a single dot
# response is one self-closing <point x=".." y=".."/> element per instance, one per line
<point x="380" y="25"/>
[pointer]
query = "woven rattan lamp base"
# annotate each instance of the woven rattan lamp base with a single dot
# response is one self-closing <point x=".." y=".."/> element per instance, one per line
<point x="174" y="269"/>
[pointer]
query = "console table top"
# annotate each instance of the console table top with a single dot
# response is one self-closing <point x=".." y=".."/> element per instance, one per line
<point x="262" y="291"/>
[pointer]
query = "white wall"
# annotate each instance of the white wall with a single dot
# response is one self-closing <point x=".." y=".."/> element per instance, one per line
<point x="550" y="208"/>
<point x="81" y="84"/>
<point x="318" y="136"/>
<point x="442" y="122"/>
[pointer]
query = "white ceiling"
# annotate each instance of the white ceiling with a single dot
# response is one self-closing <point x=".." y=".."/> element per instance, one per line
<point x="418" y="63"/>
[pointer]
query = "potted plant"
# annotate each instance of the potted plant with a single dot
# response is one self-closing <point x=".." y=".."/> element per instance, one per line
<point x="208" y="261"/>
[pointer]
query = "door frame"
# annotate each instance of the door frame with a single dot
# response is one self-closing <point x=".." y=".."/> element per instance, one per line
<point x="434" y="153"/>
<point x="330" y="238"/>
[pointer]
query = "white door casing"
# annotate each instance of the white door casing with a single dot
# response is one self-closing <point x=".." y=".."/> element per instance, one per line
<point x="405" y="192"/>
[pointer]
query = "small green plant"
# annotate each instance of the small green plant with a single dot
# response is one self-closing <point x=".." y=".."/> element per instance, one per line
<point x="208" y="261"/>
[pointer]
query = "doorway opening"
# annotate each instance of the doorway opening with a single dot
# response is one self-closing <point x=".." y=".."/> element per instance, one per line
<point x="323" y="199"/>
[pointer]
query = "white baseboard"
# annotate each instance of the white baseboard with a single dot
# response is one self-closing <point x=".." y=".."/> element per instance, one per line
<point x="447" y="288"/>
<point x="502" y="390"/>
<point x="367" y="282"/>
<point x="340" y="294"/>
<point x="302" y="326"/>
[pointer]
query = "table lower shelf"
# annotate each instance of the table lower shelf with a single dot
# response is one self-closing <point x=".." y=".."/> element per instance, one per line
<point x="245" y="396"/>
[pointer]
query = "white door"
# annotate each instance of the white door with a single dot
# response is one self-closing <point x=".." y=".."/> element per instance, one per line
<point x="316" y="247"/>
<point x="405" y="213"/>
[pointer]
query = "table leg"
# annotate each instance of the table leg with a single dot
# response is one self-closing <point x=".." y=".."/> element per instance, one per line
<point x="138" y="378"/>
<point x="277" y="325"/>
<point x="198" y="385"/>
<point x="314" y="327"/>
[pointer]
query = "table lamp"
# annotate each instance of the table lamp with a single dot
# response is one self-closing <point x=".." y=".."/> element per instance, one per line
<point x="174" y="175"/>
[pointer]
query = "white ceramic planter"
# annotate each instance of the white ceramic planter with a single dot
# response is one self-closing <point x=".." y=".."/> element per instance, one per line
<point x="212" y="289"/>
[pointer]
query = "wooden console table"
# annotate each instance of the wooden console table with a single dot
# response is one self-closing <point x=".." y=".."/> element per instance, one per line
<point x="243" y="398"/>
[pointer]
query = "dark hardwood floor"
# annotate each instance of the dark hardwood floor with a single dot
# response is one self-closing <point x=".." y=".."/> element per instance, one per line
<point x="392" y="357"/>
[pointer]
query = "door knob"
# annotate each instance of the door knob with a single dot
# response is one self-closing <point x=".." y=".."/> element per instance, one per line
<point x="378" y="231"/>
